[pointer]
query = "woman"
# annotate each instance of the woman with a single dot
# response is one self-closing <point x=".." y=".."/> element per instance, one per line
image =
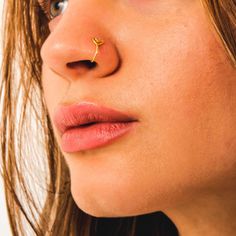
<point x="135" y="109"/>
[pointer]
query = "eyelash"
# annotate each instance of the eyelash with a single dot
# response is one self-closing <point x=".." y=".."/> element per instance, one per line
<point x="45" y="6"/>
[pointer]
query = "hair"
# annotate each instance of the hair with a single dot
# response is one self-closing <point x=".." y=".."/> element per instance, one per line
<point x="51" y="209"/>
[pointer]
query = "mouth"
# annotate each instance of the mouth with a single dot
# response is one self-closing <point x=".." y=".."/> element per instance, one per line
<point x="86" y="126"/>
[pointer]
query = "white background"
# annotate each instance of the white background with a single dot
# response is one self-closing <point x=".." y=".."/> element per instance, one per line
<point x="4" y="224"/>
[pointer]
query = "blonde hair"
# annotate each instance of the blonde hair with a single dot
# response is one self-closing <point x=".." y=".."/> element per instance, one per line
<point x="24" y="33"/>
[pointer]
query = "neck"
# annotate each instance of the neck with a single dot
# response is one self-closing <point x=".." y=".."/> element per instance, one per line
<point x="211" y="214"/>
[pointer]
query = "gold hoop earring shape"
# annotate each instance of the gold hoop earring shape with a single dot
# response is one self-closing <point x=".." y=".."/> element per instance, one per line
<point x="98" y="43"/>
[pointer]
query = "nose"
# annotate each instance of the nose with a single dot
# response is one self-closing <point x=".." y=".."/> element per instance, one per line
<point x="70" y="47"/>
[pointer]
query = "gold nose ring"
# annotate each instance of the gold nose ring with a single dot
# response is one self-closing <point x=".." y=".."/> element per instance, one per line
<point x="97" y="42"/>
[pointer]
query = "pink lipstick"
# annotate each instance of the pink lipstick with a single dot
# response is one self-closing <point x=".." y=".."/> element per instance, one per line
<point x="85" y="126"/>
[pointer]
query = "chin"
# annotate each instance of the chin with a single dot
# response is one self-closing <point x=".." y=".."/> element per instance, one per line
<point x="102" y="204"/>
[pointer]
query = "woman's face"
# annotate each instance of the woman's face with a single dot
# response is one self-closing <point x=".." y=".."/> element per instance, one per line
<point x="162" y="62"/>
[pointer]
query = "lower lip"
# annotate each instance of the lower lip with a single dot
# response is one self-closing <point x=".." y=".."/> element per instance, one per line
<point x="93" y="136"/>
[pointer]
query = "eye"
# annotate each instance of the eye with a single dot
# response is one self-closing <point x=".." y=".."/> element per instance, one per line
<point x="57" y="7"/>
<point x="54" y="8"/>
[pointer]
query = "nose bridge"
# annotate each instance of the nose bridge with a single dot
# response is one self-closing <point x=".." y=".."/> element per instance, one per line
<point x="70" y="46"/>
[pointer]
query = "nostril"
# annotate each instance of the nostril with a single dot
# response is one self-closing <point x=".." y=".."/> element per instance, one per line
<point x="85" y="64"/>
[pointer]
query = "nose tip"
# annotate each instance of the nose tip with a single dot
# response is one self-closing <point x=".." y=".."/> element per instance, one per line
<point x="73" y="58"/>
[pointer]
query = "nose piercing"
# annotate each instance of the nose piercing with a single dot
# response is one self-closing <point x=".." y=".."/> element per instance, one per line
<point x="97" y="42"/>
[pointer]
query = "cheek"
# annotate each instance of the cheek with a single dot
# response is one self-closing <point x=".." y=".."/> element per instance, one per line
<point x="54" y="88"/>
<point x="188" y="107"/>
<point x="192" y="101"/>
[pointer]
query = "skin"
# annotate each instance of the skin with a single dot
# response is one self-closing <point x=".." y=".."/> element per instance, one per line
<point x="176" y="79"/>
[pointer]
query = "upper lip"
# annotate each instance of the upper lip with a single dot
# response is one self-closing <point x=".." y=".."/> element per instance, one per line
<point x="70" y="116"/>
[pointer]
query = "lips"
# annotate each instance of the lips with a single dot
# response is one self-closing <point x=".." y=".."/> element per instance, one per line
<point x="84" y="114"/>
<point x="87" y="125"/>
